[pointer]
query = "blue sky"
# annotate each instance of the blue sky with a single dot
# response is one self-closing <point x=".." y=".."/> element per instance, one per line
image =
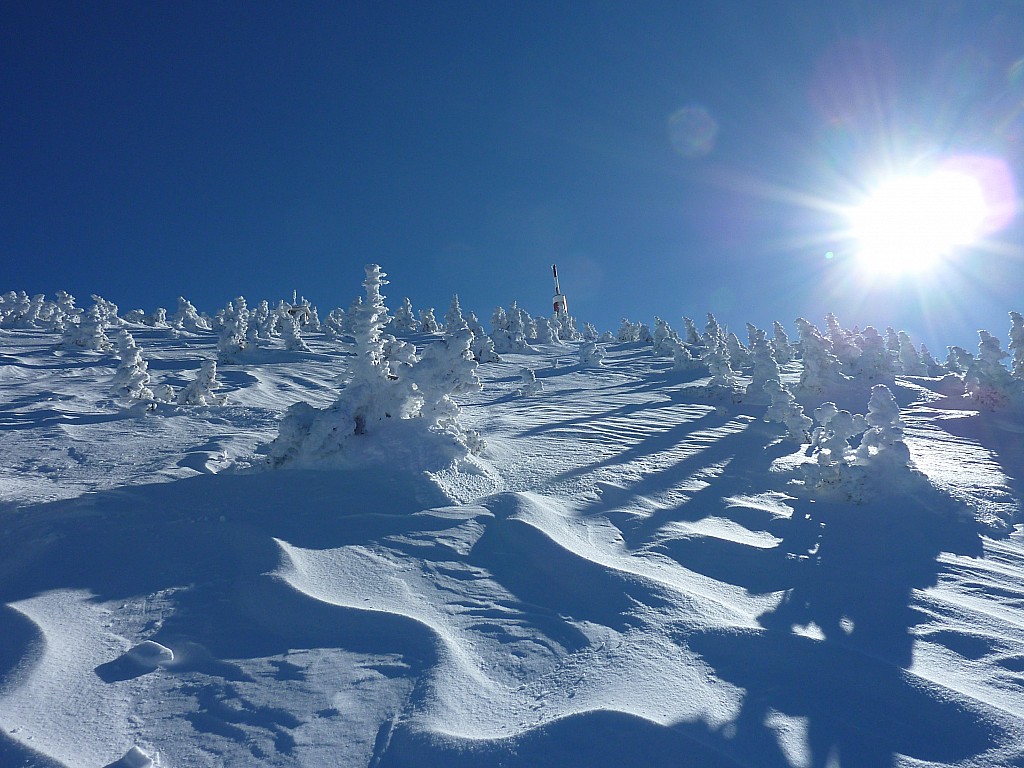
<point x="672" y="158"/>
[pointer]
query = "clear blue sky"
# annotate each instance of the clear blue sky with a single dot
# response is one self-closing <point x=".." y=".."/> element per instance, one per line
<point x="213" y="149"/>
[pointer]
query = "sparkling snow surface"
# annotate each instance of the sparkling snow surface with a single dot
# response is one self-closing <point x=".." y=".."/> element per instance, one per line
<point x="627" y="576"/>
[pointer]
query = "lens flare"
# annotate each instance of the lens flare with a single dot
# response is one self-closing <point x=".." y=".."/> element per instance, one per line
<point x="911" y="222"/>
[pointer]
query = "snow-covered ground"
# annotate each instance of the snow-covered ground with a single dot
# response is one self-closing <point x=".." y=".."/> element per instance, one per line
<point x="628" y="575"/>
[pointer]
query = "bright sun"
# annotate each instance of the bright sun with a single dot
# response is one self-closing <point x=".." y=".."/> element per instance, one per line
<point x="910" y="223"/>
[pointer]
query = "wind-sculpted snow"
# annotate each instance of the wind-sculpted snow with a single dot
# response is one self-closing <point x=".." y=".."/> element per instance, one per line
<point x="633" y="573"/>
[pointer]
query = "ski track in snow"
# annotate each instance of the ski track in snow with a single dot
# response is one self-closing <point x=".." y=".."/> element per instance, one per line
<point x="628" y="580"/>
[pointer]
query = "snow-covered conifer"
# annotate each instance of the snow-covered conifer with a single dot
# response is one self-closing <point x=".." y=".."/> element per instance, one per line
<point x="821" y="368"/>
<point x="764" y="369"/>
<point x="131" y="381"/>
<point x="200" y="391"/>
<point x="545" y="333"/>
<point x="428" y="323"/>
<point x="739" y="355"/>
<point x="692" y="334"/>
<point x="875" y="362"/>
<point x="716" y="358"/>
<point x="405" y="318"/>
<point x="591" y="355"/>
<point x="529" y="383"/>
<point x="712" y="331"/>
<point x="292" y="334"/>
<point x="447" y="368"/>
<point x="882" y="444"/>
<point x="781" y="348"/>
<point x="643" y="334"/>
<point x="158" y="319"/>
<point x="590" y="332"/>
<point x="482" y="346"/>
<point x="187" y="318"/>
<point x="234" y="331"/>
<point x="88" y="334"/>
<point x="784" y="409"/>
<point x="628" y="331"/>
<point x="683" y="360"/>
<point x="987" y="380"/>
<point x="1017" y="344"/>
<point x="909" y="357"/>
<point x="453" y="319"/>
<point x="662" y="334"/>
<point x="842" y="344"/>
<point x="932" y="366"/>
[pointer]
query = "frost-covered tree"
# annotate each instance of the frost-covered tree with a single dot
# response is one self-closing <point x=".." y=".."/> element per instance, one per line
<point x="821" y="369"/>
<point x="932" y="366"/>
<point x="131" y="380"/>
<point x="712" y="331"/>
<point x="428" y="323"/>
<point x="842" y="344"/>
<point x="509" y="330"/>
<point x="88" y="334"/>
<point x="482" y="346"/>
<point x="784" y="409"/>
<point x="628" y="331"/>
<point x="987" y="380"/>
<point x="739" y="354"/>
<point x="530" y="385"/>
<point x="1017" y="344"/>
<point x="590" y="332"/>
<point x="882" y="443"/>
<point x="405" y="317"/>
<point x="958" y="360"/>
<point x="591" y="355"/>
<point x="234" y="331"/>
<point x="764" y="368"/>
<point x="187" y="318"/>
<point x="692" y="335"/>
<point x="447" y="368"/>
<point x="875" y="362"/>
<point x="107" y="311"/>
<point x="716" y="358"/>
<point x="663" y="333"/>
<point x="546" y="333"/>
<point x="201" y="390"/>
<point x="453" y="319"/>
<point x="292" y="334"/>
<point x="781" y="348"/>
<point x="909" y="357"/>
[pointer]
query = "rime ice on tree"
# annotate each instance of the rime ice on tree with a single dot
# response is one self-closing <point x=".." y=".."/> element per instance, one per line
<point x="200" y="391"/>
<point x="131" y="381"/>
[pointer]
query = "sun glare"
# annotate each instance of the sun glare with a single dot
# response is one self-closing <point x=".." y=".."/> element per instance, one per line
<point x="910" y="223"/>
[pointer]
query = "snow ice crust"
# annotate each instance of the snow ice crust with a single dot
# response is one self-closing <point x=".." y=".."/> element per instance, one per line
<point x="636" y="567"/>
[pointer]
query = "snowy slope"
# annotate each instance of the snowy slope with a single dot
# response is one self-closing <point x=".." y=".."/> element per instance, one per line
<point x="626" y="577"/>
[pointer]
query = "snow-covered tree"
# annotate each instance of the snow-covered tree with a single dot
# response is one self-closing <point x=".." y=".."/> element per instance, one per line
<point x="739" y="354"/>
<point x="882" y="443"/>
<point x="764" y="369"/>
<point x="546" y="333"/>
<point x="591" y="355"/>
<point x="987" y="380"/>
<point x="712" y="331"/>
<point x="909" y="357"/>
<point x="1017" y="344"/>
<point x="716" y="358"/>
<point x="821" y="369"/>
<point x="781" y="348"/>
<point x="405" y="317"/>
<point x="482" y="346"/>
<point x="932" y="366"/>
<point x="201" y="390"/>
<point x="692" y="334"/>
<point x="784" y="409"/>
<point x="663" y="333"/>
<point x="875" y="363"/>
<point x="88" y="334"/>
<point x="131" y="380"/>
<point x="234" y="331"/>
<point x="428" y="323"/>
<point x="530" y="385"/>
<point x="842" y="344"/>
<point x="590" y="332"/>
<point x="187" y="318"/>
<point x="447" y="368"/>
<point x="628" y="331"/>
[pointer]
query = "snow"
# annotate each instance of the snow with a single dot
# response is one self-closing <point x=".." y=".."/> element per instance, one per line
<point x="632" y="571"/>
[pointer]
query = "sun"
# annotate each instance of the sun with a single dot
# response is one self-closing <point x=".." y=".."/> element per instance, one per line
<point x="910" y="223"/>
